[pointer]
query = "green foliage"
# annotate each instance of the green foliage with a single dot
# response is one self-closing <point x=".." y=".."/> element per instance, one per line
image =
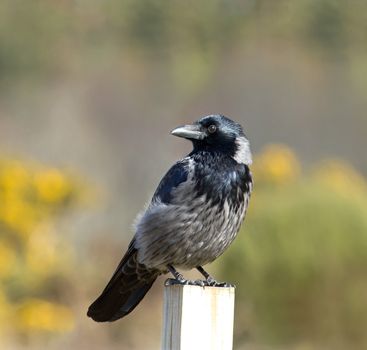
<point x="31" y="35"/>
<point x="301" y="263"/>
<point x="47" y="36"/>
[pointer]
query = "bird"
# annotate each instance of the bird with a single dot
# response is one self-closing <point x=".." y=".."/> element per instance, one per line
<point x="194" y="215"/>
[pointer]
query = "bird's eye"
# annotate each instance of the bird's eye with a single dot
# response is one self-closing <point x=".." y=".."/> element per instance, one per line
<point x="212" y="129"/>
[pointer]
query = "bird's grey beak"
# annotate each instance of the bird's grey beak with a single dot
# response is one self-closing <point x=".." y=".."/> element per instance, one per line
<point x="192" y="131"/>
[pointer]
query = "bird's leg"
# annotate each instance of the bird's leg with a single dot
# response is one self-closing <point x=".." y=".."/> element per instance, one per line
<point x="176" y="274"/>
<point x="179" y="279"/>
<point x="211" y="281"/>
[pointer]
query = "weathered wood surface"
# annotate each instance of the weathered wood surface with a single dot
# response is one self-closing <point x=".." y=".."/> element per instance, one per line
<point x="198" y="318"/>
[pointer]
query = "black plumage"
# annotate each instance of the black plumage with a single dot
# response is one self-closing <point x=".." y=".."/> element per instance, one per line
<point x="194" y="215"/>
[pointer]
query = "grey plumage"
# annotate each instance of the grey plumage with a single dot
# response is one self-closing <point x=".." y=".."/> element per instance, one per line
<point x="193" y="230"/>
<point x="193" y="217"/>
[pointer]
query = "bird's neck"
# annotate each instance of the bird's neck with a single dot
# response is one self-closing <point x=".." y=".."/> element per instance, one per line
<point x="242" y="154"/>
<point x="213" y="161"/>
<point x="208" y="154"/>
<point x="239" y="150"/>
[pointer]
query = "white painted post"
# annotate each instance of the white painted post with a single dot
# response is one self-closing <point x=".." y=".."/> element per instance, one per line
<point x="197" y="317"/>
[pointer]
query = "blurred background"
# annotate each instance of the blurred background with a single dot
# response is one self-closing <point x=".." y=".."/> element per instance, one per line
<point x="89" y="91"/>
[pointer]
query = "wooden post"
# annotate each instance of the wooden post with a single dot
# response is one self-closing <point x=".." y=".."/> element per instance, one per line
<point x="197" y="317"/>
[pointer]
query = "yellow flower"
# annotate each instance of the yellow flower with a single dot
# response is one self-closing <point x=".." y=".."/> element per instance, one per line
<point x="14" y="177"/>
<point x="45" y="252"/>
<point x="52" y="186"/>
<point x="341" y="177"/>
<point x="41" y="253"/>
<point x="16" y="212"/>
<point x="41" y="315"/>
<point x="18" y="215"/>
<point x="276" y="164"/>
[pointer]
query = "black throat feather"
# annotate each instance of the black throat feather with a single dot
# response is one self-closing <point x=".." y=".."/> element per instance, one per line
<point x="220" y="178"/>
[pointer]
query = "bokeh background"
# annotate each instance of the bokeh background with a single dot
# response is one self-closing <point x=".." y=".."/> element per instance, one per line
<point x="89" y="91"/>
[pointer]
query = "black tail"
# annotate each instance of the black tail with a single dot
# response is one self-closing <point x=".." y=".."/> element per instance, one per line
<point x="127" y="287"/>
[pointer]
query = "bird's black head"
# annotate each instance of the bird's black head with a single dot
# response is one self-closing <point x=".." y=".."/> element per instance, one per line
<point x="217" y="133"/>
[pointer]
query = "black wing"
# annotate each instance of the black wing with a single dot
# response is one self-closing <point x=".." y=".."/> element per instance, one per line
<point x="174" y="177"/>
<point x="127" y="287"/>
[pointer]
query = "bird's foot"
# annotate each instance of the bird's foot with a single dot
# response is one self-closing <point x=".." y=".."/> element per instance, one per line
<point x="224" y="284"/>
<point x="184" y="282"/>
<point x="211" y="282"/>
<point x="179" y="279"/>
<point x="200" y="283"/>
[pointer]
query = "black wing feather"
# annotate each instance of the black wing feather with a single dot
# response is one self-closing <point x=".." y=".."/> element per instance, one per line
<point x="174" y="177"/>
<point x="127" y="287"/>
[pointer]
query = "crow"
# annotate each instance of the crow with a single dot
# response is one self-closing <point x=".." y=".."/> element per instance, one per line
<point x="194" y="215"/>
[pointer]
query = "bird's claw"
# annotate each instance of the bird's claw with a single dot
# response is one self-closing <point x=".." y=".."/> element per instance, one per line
<point x="224" y="284"/>
<point x="174" y="281"/>
<point x="207" y="283"/>
<point x="200" y="283"/>
<point x="211" y="282"/>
